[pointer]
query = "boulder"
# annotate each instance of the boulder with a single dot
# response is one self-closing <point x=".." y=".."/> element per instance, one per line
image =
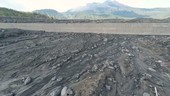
<point x="27" y="80"/>
<point x="56" y="91"/>
<point x="108" y="87"/>
<point x="67" y="91"/>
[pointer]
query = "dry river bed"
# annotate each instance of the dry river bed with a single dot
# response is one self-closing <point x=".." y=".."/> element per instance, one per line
<point x="39" y="63"/>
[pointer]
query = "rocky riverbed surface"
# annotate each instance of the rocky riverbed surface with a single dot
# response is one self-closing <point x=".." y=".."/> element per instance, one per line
<point x="38" y="63"/>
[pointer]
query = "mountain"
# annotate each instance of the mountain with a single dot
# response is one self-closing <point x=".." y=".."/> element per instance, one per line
<point x="5" y="12"/>
<point x="50" y="12"/>
<point x="114" y="9"/>
<point x="108" y="10"/>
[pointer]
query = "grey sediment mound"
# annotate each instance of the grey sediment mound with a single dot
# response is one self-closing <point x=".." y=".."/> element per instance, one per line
<point x="36" y="63"/>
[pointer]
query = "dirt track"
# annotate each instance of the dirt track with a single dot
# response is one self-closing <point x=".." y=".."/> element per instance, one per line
<point x="109" y="28"/>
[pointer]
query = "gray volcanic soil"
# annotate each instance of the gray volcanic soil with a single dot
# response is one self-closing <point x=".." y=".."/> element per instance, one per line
<point x="40" y="63"/>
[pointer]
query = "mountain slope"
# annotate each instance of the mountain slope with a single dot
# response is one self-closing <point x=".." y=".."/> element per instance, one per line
<point x="50" y="13"/>
<point x="4" y="12"/>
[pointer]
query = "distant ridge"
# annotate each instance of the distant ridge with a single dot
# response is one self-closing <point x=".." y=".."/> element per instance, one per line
<point x="5" y="12"/>
<point x="110" y="9"/>
<point x="50" y="12"/>
<point x="12" y="16"/>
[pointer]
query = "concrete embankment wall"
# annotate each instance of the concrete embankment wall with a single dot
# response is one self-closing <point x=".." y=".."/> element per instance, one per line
<point x="109" y="28"/>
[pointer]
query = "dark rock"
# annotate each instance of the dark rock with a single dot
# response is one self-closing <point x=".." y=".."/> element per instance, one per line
<point x="9" y="94"/>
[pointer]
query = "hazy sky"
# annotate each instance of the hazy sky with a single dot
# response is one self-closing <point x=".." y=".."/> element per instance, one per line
<point x="64" y="5"/>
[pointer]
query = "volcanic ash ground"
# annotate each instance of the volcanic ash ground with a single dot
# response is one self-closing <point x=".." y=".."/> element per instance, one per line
<point x="36" y="63"/>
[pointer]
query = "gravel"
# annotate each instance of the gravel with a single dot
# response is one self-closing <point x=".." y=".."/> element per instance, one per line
<point x="88" y="64"/>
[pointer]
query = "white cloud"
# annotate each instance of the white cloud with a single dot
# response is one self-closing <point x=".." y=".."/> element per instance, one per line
<point x="146" y="3"/>
<point x="64" y="5"/>
<point x="60" y="5"/>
